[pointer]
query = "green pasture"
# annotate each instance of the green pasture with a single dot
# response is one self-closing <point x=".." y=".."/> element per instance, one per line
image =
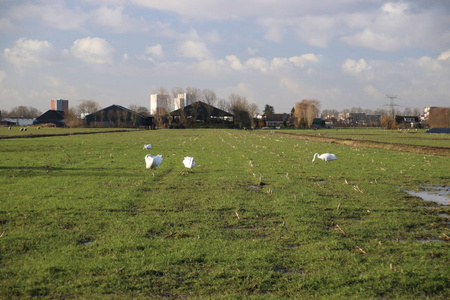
<point x="81" y="217"/>
<point x="408" y="136"/>
<point x="32" y="131"/>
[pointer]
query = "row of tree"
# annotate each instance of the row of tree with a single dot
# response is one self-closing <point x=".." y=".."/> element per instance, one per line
<point x="407" y="111"/>
<point x="244" y="112"/>
<point x="23" y="112"/>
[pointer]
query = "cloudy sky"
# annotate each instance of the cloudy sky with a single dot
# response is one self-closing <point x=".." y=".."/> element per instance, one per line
<point x="345" y="53"/>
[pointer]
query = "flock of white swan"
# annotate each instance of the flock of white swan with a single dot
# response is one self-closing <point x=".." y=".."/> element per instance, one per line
<point x="152" y="162"/>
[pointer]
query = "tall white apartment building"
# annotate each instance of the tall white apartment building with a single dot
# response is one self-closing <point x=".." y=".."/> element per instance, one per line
<point x="157" y="100"/>
<point x="183" y="100"/>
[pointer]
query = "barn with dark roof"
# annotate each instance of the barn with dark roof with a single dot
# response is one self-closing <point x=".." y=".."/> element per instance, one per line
<point x="118" y="116"/>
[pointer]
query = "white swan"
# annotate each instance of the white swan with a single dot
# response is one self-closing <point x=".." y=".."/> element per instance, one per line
<point x="189" y="162"/>
<point x="152" y="162"/>
<point x="326" y="157"/>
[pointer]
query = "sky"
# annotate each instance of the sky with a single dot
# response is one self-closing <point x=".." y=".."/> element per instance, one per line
<point x="344" y="53"/>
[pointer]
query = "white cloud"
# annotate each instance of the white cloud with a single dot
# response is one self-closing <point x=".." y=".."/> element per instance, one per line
<point x="279" y="62"/>
<point x="395" y="8"/>
<point x="274" y="29"/>
<point x="115" y="19"/>
<point x="394" y="26"/>
<point x="2" y="76"/>
<point x="371" y="90"/>
<point x="54" y="15"/>
<point x="291" y="84"/>
<point x="155" y="51"/>
<point x="302" y="60"/>
<point x="427" y="63"/>
<point x="31" y="52"/>
<point x="317" y="30"/>
<point x="93" y="50"/>
<point x="194" y="49"/>
<point x="444" y="55"/>
<point x="235" y="63"/>
<point x="258" y="63"/>
<point x="378" y="41"/>
<point x="354" y="67"/>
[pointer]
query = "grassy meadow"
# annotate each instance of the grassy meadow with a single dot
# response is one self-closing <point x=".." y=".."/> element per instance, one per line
<point x="82" y="217"/>
<point x="403" y="136"/>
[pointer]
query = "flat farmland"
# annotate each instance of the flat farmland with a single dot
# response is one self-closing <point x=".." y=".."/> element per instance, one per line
<point x="82" y="217"/>
<point x="404" y="140"/>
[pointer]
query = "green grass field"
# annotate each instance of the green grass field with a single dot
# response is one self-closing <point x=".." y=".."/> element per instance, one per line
<point x="409" y="137"/>
<point x="82" y="217"/>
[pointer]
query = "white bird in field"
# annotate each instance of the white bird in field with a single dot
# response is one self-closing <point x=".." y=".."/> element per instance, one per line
<point x="189" y="162"/>
<point x="326" y="157"/>
<point x="152" y="162"/>
<point x="148" y="146"/>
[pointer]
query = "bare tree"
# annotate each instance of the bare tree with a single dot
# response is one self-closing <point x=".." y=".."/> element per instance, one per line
<point x="210" y="97"/>
<point x="330" y="113"/>
<point x="388" y="122"/>
<point x="175" y="91"/>
<point x="139" y="109"/>
<point x="87" y="107"/>
<point x="239" y="108"/>
<point x="195" y="93"/>
<point x="380" y="112"/>
<point x="161" y="112"/>
<point x="356" y="110"/>
<point x="71" y="118"/>
<point x="162" y="91"/>
<point x="223" y="105"/>
<point x="305" y="112"/>
<point x="253" y="111"/>
<point x="26" y="112"/>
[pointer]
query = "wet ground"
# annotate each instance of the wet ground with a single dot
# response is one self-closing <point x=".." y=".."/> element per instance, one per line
<point x="436" y="193"/>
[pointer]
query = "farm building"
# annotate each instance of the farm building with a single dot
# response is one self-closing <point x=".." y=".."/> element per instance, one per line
<point x="118" y="116"/>
<point x="408" y="121"/>
<point x="201" y="112"/>
<point x="278" y="120"/>
<point x="438" y="117"/>
<point x="17" y="121"/>
<point x="55" y="117"/>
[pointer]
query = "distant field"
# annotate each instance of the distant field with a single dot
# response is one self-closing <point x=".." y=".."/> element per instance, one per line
<point x="34" y="131"/>
<point x="411" y="137"/>
<point x="81" y="217"/>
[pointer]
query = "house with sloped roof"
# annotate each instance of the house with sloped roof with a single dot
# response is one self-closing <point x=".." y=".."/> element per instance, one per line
<point x="117" y="116"/>
<point x="278" y="120"/>
<point x="200" y="112"/>
<point x="55" y="117"/>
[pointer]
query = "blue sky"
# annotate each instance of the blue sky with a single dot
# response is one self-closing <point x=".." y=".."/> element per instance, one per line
<point x="347" y="53"/>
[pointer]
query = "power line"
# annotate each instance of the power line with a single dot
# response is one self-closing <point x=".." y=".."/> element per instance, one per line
<point x="391" y="103"/>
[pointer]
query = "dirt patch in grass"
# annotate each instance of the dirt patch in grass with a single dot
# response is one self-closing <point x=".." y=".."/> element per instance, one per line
<point x="431" y="150"/>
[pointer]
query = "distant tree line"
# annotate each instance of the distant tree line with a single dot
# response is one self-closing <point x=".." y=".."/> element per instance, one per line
<point x="24" y="112"/>
<point x="245" y="113"/>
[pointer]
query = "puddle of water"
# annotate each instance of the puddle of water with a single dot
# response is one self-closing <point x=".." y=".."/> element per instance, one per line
<point x="85" y="242"/>
<point x="430" y="241"/>
<point x="254" y="186"/>
<point x="444" y="215"/>
<point x="438" y="194"/>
